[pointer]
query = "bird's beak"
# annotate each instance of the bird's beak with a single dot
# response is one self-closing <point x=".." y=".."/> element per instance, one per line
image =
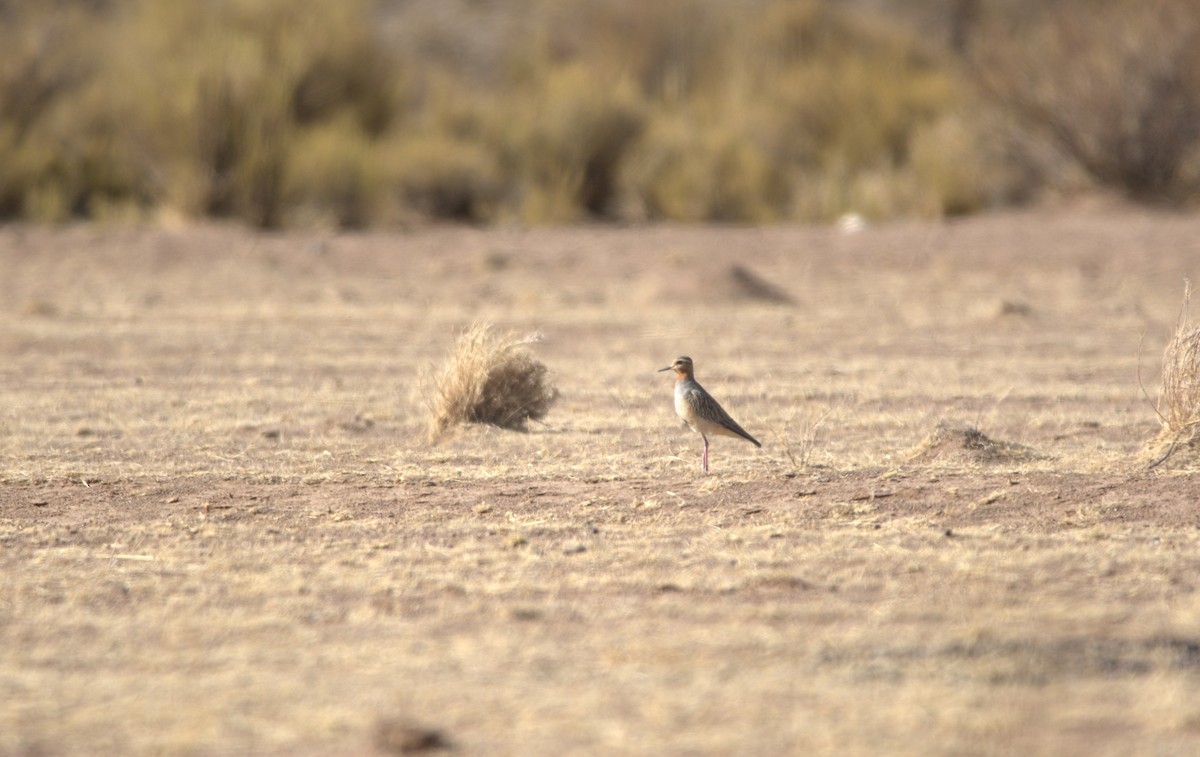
<point x="669" y="367"/>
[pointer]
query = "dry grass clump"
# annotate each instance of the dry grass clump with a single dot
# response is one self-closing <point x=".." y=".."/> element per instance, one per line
<point x="1178" y="405"/>
<point x="1179" y="396"/>
<point x="492" y="379"/>
<point x="950" y="440"/>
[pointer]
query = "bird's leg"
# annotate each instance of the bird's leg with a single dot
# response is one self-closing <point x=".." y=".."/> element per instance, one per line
<point x="704" y="460"/>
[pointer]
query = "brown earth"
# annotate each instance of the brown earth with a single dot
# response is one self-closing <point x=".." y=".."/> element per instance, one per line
<point x="223" y="529"/>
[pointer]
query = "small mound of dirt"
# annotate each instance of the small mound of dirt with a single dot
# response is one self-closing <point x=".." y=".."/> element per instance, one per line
<point x="712" y="282"/>
<point x="747" y="284"/>
<point x="400" y="736"/>
<point x="1013" y="309"/>
<point x="950" y="441"/>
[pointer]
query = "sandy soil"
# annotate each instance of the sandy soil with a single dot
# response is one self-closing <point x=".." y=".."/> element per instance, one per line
<point x="223" y="528"/>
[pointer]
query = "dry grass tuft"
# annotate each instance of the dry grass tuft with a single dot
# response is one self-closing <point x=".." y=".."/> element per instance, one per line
<point x="951" y="440"/>
<point x="1178" y="405"/>
<point x="801" y="431"/>
<point x="491" y="379"/>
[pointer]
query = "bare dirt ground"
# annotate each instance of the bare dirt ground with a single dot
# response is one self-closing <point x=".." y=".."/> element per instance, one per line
<point x="223" y="530"/>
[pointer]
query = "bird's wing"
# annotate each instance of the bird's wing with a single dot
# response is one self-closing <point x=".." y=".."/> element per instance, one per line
<point x="707" y="407"/>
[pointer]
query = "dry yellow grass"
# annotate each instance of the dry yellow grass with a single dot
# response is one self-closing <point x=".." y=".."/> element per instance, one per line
<point x="1178" y="404"/>
<point x="222" y="529"/>
<point x="491" y="378"/>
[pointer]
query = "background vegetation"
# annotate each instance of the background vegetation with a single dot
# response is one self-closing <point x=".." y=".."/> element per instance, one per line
<point x="356" y="113"/>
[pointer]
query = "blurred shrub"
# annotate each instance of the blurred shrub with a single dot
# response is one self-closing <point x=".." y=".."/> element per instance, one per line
<point x="334" y="178"/>
<point x="1114" y="84"/>
<point x="234" y="84"/>
<point x="563" y="142"/>
<point x="443" y="177"/>
<point x="363" y="112"/>
<point x="811" y="115"/>
<point x="952" y="163"/>
<point x="62" y="153"/>
<point x="851" y="87"/>
<point x="683" y="171"/>
<point x="670" y="50"/>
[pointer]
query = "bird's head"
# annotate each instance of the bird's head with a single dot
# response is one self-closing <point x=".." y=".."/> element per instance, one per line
<point x="682" y="367"/>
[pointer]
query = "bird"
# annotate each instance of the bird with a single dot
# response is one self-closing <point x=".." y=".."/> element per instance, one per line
<point x="699" y="410"/>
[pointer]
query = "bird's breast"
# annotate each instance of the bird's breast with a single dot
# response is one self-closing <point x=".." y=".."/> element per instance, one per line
<point x="683" y="405"/>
